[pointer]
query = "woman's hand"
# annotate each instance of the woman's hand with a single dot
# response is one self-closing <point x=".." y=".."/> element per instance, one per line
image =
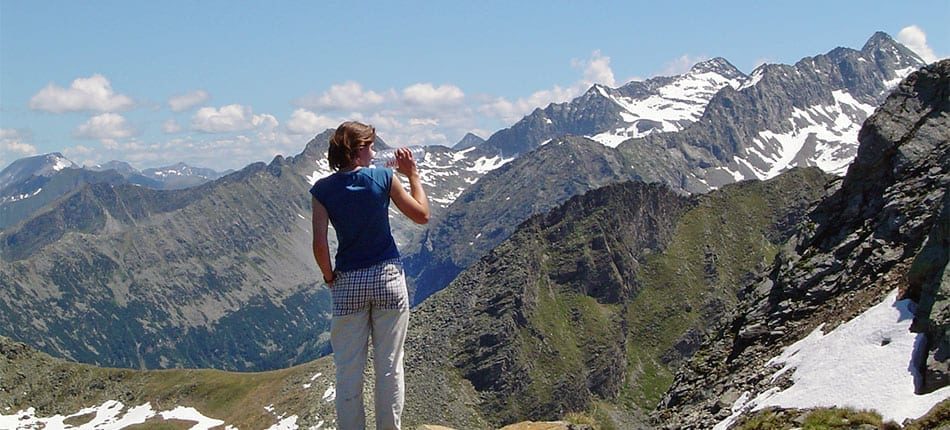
<point x="413" y="204"/>
<point x="405" y="163"/>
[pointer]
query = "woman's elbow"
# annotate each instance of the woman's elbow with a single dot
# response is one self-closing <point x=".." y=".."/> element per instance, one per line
<point x="422" y="218"/>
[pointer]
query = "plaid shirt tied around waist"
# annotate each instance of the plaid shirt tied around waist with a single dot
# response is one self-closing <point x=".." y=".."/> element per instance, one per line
<point x="380" y="286"/>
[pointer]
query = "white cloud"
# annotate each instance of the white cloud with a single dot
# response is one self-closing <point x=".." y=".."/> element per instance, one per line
<point x="80" y="150"/>
<point x="512" y="111"/>
<point x="303" y="121"/>
<point x="341" y="97"/>
<point x="426" y="94"/>
<point x="13" y="146"/>
<point x="171" y="126"/>
<point x="230" y="118"/>
<point x="597" y="70"/>
<point x="105" y="126"/>
<point x="84" y="94"/>
<point x="383" y="121"/>
<point x="681" y="65"/>
<point x="417" y="114"/>
<point x="187" y="101"/>
<point x="432" y="122"/>
<point x="914" y="38"/>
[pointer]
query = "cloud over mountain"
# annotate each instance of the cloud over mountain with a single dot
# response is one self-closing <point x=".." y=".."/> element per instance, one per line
<point x="303" y="121"/>
<point x="94" y="93"/>
<point x="914" y="38"/>
<point x="229" y="118"/>
<point x="349" y="95"/>
<point x="105" y="126"/>
<point x="187" y="101"/>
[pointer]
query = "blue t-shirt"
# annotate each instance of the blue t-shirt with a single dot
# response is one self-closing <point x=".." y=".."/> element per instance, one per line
<point x="358" y="205"/>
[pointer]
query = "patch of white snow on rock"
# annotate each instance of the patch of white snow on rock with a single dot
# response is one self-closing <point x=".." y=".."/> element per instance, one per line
<point x="865" y="363"/>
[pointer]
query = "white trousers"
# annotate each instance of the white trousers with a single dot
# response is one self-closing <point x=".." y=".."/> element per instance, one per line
<point x="349" y="335"/>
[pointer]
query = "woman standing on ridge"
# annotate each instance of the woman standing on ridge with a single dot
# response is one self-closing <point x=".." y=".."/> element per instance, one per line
<point x="369" y="292"/>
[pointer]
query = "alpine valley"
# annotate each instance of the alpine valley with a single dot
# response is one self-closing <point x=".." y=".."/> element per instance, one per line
<point x="669" y="253"/>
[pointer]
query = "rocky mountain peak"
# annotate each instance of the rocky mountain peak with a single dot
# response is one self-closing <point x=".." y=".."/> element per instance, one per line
<point x="882" y="230"/>
<point x="719" y="66"/>
<point x="878" y="41"/>
<point x="318" y="145"/>
<point x="39" y="165"/>
<point x="889" y="53"/>
<point x="119" y="166"/>
<point x="470" y="140"/>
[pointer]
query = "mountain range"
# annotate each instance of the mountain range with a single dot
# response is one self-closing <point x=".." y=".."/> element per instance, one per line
<point x="210" y="276"/>
<point x="29" y="184"/>
<point x="777" y="118"/>
<point x="721" y="308"/>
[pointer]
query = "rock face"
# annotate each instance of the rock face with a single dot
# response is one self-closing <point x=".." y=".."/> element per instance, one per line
<point x="491" y="209"/>
<point x="468" y="141"/>
<point x="884" y="228"/>
<point x="594" y="301"/>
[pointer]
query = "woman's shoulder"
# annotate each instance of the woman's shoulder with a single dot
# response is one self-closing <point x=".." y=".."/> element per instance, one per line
<point x="324" y="182"/>
<point x="382" y="176"/>
<point x="378" y="172"/>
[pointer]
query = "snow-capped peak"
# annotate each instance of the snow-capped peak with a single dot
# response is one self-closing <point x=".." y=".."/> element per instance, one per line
<point x="39" y="165"/>
<point x="666" y="104"/>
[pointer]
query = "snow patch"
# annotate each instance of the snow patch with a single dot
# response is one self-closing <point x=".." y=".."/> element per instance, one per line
<point x="61" y="163"/>
<point x="109" y="415"/>
<point x="486" y="164"/>
<point x="289" y="423"/>
<point x="16" y="198"/>
<point x="865" y="363"/>
<point x="191" y="414"/>
<point x="754" y="79"/>
<point x="330" y="394"/>
<point x="831" y="132"/>
<point x="670" y="109"/>
<point x="899" y="76"/>
<point x="322" y="170"/>
<point x="609" y="139"/>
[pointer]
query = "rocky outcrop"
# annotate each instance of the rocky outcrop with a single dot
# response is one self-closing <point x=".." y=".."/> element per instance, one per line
<point x="491" y="209"/>
<point x="587" y="303"/>
<point x="884" y="228"/>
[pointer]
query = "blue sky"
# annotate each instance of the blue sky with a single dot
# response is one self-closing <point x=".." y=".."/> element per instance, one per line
<point x="225" y="83"/>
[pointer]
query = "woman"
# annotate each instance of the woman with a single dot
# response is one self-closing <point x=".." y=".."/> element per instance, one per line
<point x="368" y="285"/>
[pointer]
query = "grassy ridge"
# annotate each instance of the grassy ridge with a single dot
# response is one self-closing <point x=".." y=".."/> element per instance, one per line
<point x="715" y="244"/>
<point x="54" y="386"/>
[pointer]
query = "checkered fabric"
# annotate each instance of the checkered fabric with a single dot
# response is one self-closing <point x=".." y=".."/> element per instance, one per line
<point x="381" y="286"/>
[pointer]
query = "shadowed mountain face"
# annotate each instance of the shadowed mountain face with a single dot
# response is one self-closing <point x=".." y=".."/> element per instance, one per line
<point x="885" y="228"/>
<point x="29" y="184"/>
<point x="593" y="302"/>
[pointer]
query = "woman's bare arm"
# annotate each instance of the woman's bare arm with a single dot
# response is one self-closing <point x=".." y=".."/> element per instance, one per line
<point x="413" y="204"/>
<point x="321" y="248"/>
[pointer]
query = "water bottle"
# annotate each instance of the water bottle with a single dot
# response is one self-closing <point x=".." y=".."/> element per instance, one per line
<point x="387" y="157"/>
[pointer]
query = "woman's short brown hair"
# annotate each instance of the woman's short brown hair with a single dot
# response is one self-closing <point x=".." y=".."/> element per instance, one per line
<point x="346" y="143"/>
